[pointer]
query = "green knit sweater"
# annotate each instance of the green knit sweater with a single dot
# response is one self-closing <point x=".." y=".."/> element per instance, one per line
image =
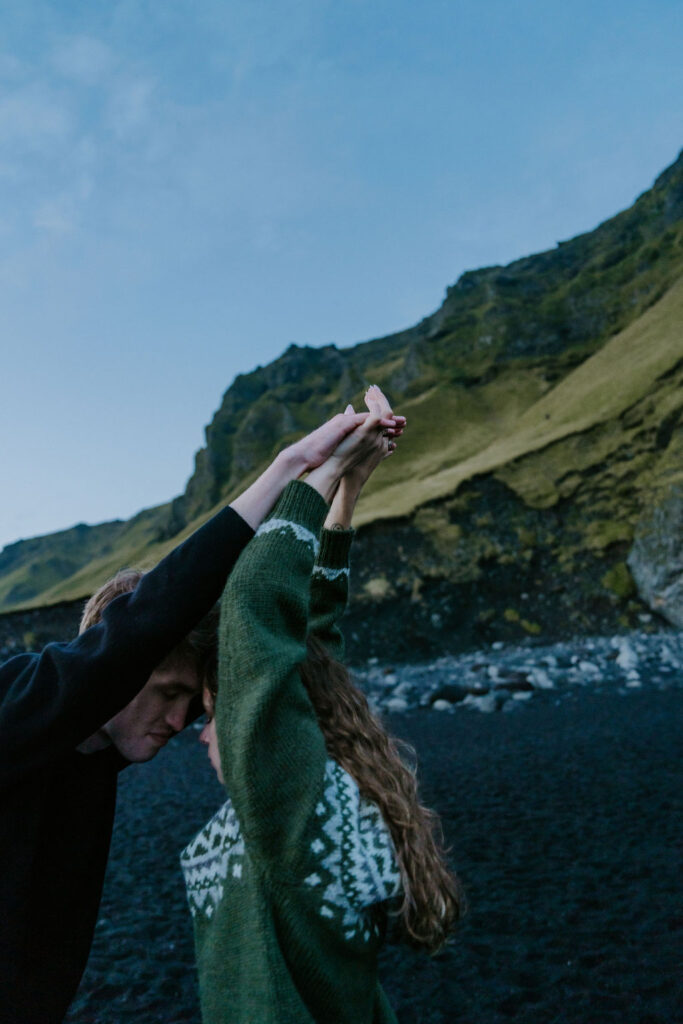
<point x="288" y="883"/>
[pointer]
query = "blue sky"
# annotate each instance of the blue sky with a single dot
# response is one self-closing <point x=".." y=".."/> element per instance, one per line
<point x="188" y="187"/>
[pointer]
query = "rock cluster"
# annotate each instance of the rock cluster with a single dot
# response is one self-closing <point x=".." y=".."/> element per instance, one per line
<point x="504" y="678"/>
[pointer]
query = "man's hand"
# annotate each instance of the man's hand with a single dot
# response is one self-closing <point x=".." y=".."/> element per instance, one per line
<point x="316" y="448"/>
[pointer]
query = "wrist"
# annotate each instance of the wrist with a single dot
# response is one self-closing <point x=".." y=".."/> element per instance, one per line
<point x="291" y="461"/>
<point x="350" y="486"/>
<point x="325" y="480"/>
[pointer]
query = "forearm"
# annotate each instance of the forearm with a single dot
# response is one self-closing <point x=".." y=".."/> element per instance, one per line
<point x="324" y="451"/>
<point x="343" y="505"/>
<point x="254" y="504"/>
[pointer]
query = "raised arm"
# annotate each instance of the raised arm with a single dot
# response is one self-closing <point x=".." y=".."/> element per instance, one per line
<point x="310" y="452"/>
<point x="50" y="702"/>
<point x="272" y="751"/>
<point x="330" y="580"/>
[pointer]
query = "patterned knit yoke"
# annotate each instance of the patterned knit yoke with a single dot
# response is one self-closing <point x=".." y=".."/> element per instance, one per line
<point x="290" y="881"/>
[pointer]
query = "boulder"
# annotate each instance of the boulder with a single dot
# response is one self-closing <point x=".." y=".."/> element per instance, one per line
<point x="397" y="704"/>
<point x="486" y="704"/>
<point x="442" y="705"/>
<point x="540" y="679"/>
<point x="656" y="558"/>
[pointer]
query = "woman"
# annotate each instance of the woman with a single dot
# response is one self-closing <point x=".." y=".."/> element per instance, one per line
<point x="291" y="881"/>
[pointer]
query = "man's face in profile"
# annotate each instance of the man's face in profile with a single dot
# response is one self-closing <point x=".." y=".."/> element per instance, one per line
<point x="158" y="712"/>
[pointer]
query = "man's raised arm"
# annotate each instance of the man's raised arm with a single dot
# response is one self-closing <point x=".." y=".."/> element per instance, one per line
<point x="52" y="701"/>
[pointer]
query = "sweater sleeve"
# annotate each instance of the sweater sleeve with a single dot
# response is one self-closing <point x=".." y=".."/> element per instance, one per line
<point x="50" y="702"/>
<point x="330" y="589"/>
<point x="272" y="751"/>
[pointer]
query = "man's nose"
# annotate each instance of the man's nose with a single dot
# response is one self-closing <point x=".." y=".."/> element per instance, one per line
<point x="204" y="735"/>
<point x="176" y="716"/>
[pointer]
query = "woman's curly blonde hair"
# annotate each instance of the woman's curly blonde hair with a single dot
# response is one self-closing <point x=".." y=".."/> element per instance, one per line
<point x="432" y="896"/>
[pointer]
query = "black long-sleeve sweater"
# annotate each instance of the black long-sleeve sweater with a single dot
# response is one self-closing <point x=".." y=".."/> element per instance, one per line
<point x="56" y="804"/>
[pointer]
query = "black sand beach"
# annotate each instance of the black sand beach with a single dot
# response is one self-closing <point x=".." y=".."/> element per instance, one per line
<point x="564" y="822"/>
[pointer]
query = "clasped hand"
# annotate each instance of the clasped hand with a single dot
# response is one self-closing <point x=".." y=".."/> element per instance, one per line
<point x="371" y="438"/>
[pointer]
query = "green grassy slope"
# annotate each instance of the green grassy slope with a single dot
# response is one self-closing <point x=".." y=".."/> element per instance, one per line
<point x="637" y="364"/>
<point x="543" y="400"/>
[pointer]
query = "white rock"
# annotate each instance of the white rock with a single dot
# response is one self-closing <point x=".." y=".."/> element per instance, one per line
<point x="493" y="672"/>
<point x="589" y="668"/>
<point x="627" y="657"/>
<point x="539" y="678"/>
<point x="442" y="705"/>
<point x="668" y="657"/>
<point x="522" y="695"/>
<point x="634" y="684"/>
<point x="390" y="679"/>
<point x="497" y="645"/>
<point x="403" y="689"/>
<point x="397" y="704"/>
<point x="486" y="703"/>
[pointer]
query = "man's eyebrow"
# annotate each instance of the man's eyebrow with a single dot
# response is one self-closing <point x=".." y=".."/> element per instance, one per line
<point x="181" y="686"/>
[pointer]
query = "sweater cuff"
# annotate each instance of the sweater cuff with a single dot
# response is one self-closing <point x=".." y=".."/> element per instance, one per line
<point x="300" y="503"/>
<point x="334" y="548"/>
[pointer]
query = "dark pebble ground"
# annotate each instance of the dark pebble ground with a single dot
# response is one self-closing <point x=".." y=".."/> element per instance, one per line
<point x="564" y="823"/>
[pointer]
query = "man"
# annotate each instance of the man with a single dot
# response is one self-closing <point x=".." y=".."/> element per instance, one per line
<point x="160" y="709"/>
<point x="72" y="716"/>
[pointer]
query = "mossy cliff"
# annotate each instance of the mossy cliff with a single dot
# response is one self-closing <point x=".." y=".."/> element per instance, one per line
<point x="544" y="403"/>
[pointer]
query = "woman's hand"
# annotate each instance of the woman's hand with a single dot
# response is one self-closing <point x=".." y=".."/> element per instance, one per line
<point x="310" y="452"/>
<point x="378" y="404"/>
<point x="356" y="476"/>
<point x="314" y="449"/>
<point x="361" y="451"/>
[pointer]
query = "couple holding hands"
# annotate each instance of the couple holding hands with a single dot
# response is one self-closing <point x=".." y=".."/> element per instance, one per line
<point x="322" y="843"/>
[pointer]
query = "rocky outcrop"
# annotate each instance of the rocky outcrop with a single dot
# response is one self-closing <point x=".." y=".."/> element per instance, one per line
<point x="656" y="559"/>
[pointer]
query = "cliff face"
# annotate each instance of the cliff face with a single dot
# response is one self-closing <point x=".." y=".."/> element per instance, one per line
<point x="544" y="401"/>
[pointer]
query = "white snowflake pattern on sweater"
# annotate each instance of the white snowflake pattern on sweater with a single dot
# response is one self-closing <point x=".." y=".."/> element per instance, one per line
<point x="214" y="856"/>
<point x="355" y="862"/>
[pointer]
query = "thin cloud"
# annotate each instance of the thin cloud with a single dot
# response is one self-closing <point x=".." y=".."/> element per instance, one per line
<point x="129" y="106"/>
<point x="83" y="59"/>
<point x="33" y="119"/>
